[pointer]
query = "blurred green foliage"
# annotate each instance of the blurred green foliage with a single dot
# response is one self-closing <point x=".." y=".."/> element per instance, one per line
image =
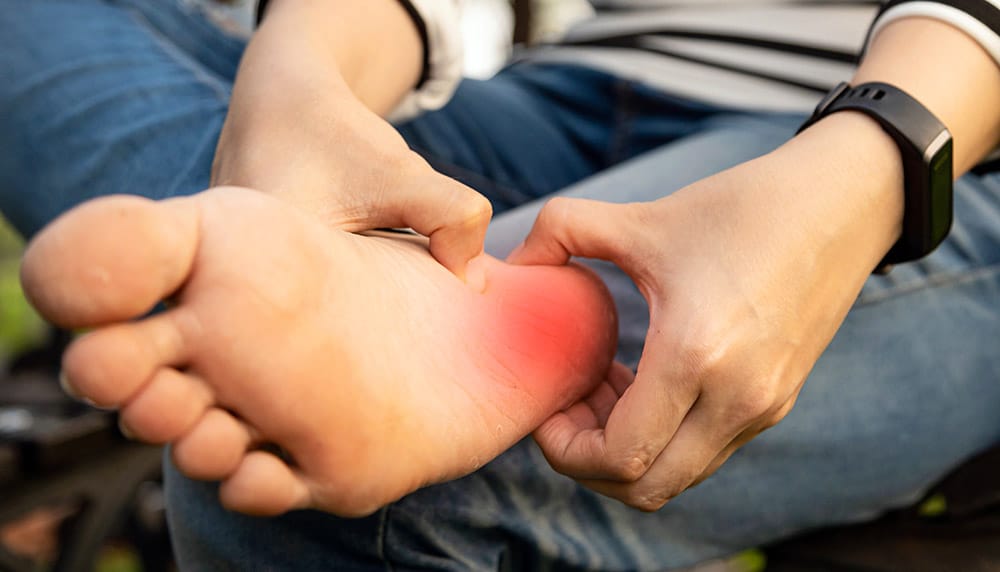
<point x="935" y="505"/>
<point x="749" y="561"/>
<point x="20" y="327"/>
<point x="118" y="558"/>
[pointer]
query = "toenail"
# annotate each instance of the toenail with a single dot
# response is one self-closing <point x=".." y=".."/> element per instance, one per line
<point x="68" y="387"/>
<point x="123" y="427"/>
<point x="71" y="391"/>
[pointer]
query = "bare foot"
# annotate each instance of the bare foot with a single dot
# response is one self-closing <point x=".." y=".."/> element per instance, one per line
<point x="373" y="368"/>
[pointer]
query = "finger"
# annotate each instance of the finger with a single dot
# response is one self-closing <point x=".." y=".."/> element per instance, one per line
<point x="744" y="438"/>
<point x="642" y="422"/>
<point x="708" y="436"/>
<point x="592" y="411"/>
<point x="581" y="424"/>
<point x="724" y="456"/>
<point x="620" y="377"/>
<point x="568" y="227"/>
<point x="697" y="442"/>
<point x="459" y="236"/>
<point x="451" y="214"/>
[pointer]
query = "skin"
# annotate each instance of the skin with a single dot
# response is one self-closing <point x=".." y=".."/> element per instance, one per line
<point x="374" y="369"/>
<point x="734" y="330"/>
<point x="320" y="142"/>
<point x="764" y="261"/>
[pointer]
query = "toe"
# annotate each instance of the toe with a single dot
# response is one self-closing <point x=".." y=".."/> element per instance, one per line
<point x="214" y="447"/>
<point x="167" y="407"/>
<point x="110" y="259"/>
<point x="108" y="366"/>
<point x="263" y="485"/>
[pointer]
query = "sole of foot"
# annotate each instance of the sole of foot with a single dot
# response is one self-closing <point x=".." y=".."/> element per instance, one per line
<point x="369" y="365"/>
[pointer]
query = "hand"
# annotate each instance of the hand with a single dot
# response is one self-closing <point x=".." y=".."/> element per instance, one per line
<point x="304" y="124"/>
<point x="748" y="274"/>
<point x="346" y="165"/>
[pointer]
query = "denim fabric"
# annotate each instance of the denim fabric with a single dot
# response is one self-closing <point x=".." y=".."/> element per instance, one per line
<point x="128" y="96"/>
<point x="534" y="130"/>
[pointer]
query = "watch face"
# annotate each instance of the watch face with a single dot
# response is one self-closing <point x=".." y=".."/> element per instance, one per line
<point x="941" y="190"/>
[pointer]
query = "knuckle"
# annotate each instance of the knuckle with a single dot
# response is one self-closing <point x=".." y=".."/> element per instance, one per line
<point x="648" y="501"/>
<point x="780" y="414"/>
<point x="474" y="209"/>
<point x="558" y="463"/>
<point x="701" y="357"/>
<point x="749" y="394"/>
<point x="760" y="399"/>
<point x="753" y="402"/>
<point x="771" y="422"/>
<point x="632" y="468"/>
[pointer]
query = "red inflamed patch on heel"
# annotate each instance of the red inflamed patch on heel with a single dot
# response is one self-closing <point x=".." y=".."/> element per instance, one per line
<point x="556" y="328"/>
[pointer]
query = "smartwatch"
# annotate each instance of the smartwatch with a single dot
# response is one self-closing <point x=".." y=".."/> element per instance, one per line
<point x="926" y="148"/>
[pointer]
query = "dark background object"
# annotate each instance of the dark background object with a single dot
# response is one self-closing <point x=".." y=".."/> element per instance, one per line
<point x="56" y="453"/>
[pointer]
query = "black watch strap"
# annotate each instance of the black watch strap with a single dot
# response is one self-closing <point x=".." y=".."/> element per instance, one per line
<point x="925" y="146"/>
<point x="892" y="107"/>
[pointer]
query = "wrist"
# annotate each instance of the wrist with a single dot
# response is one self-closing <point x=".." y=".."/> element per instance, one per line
<point x="373" y="47"/>
<point x="851" y="171"/>
<point x="306" y="146"/>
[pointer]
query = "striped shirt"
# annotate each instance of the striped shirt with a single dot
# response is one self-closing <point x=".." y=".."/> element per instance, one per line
<point x="773" y="55"/>
<point x="776" y="55"/>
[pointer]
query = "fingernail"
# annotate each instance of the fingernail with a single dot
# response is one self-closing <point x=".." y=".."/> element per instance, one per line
<point x="475" y="274"/>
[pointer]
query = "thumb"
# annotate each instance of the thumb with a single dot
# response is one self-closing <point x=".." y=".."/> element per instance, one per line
<point x="456" y="231"/>
<point x="568" y="227"/>
<point x="453" y="216"/>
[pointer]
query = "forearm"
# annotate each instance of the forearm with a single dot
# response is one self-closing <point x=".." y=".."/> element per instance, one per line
<point x="949" y="73"/>
<point x="855" y="165"/>
<point x="371" y="48"/>
<point x="303" y="120"/>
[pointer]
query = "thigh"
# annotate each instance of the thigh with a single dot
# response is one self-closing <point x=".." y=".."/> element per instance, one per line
<point x="907" y="390"/>
<point x="521" y="134"/>
<point x="103" y="97"/>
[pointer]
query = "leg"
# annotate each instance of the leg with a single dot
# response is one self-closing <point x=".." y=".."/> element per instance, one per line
<point x="107" y="97"/>
<point x="535" y="129"/>
<point x="878" y="421"/>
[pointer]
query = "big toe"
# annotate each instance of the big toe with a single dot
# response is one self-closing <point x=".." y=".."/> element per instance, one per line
<point x="110" y="259"/>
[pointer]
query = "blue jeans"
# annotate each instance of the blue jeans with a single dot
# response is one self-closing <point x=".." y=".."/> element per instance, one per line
<point x="128" y="96"/>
